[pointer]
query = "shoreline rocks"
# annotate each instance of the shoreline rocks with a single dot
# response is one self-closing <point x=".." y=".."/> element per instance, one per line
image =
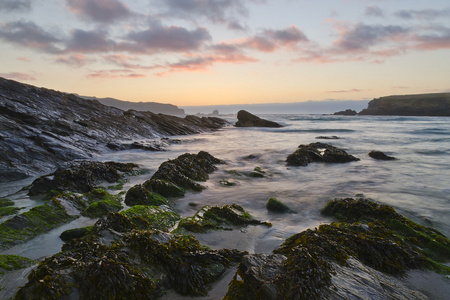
<point x="318" y="152"/>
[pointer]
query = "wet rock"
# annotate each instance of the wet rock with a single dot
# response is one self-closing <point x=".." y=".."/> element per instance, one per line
<point x="101" y="203"/>
<point x="13" y="262"/>
<point x="277" y="206"/>
<point x="6" y="202"/>
<point x="380" y="155"/>
<point x="361" y="256"/>
<point x="332" y="137"/>
<point x="81" y="177"/>
<point x="218" y="218"/>
<point x="140" y="195"/>
<point x="246" y="119"/>
<point x="75" y="233"/>
<point x="55" y="128"/>
<point x="318" y="152"/>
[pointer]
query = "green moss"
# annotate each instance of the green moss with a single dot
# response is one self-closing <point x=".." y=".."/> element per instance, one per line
<point x="6" y="202"/>
<point x="118" y="186"/>
<point x="218" y="218"/>
<point x="29" y="224"/>
<point x="151" y="217"/>
<point x="140" y="195"/>
<point x="164" y="188"/>
<point x="14" y="262"/>
<point x="7" y="211"/>
<point x="276" y="205"/>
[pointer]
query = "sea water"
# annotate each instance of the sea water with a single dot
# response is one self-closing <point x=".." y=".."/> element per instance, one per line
<point x="416" y="184"/>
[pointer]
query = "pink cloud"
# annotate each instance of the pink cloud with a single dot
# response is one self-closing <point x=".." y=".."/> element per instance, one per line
<point x="347" y="91"/>
<point x="77" y="60"/>
<point x="110" y="74"/>
<point x="102" y="11"/>
<point x="24" y="59"/>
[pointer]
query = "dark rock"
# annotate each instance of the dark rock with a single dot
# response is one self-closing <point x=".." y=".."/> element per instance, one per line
<point x="369" y="248"/>
<point x="333" y="137"/>
<point x="140" y="195"/>
<point x="436" y="104"/>
<point x="246" y="119"/>
<point x="380" y="155"/>
<point x="75" y="233"/>
<point x="276" y="205"/>
<point x="318" y="152"/>
<point x="43" y="129"/>
<point x="81" y="177"/>
<point x="347" y="112"/>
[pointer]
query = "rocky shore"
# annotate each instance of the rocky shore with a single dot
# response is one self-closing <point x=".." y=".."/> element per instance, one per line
<point x="41" y="129"/>
<point x="148" y="249"/>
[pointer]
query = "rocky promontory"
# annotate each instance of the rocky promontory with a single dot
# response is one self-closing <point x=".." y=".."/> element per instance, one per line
<point x="436" y="104"/>
<point x="41" y="129"/>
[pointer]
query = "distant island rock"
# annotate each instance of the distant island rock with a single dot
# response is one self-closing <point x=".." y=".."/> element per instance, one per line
<point x="154" y="107"/>
<point x="246" y="119"/>
<point x="436" y="104"/>
<point x="347" y="112"/>
<point x="41" y="129"/>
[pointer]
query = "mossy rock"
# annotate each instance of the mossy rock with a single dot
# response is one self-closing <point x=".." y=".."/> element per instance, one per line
<point x="29" y="224"/>
<point x="276" y="205"/>
<point x="101" y="203"/>
<point x="152" y="217"/>
<point x="8" y="211"/>
<point x="75" y="233"/>
<point x="13" y="262"/>
<point x="6" y="202"/>
<point x="164" y="188"/>
<point x="218" y="218"/>
<point x="139" y="195"/>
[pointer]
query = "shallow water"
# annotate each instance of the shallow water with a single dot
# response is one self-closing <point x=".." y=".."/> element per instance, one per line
<point x="417" y="184"/>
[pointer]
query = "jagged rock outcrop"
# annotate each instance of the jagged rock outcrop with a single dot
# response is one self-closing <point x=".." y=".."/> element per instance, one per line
<point x="437" y="104"/>
<point x="246" y="119"/>
<point x="41" y="129"/>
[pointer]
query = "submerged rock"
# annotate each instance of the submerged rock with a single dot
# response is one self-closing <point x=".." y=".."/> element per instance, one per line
<point x="380" y="155"/>
<point x="347" y="112"/>
<point x="318" y="152"/>
<point x="359" y="257"/>
<point x="246" y="119"/>
<point x="277" y="206"/>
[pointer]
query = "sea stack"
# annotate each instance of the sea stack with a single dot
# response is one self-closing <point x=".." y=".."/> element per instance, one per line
<point x="246" y="119"/>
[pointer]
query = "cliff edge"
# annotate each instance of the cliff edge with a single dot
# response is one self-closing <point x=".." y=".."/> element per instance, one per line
<point x="437" y="104"/>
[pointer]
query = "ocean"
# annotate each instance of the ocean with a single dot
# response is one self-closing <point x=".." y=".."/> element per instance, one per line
<point x="416" y="184"/>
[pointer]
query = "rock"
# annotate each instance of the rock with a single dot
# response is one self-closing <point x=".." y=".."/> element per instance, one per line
<point x="101" y="203"/>
<point x="218" y="218"/>
<point x="318" y="152"/>
<point x="333" y="137"/>
<point x="6" y="202"/>
<point x="246" y="119"/>
<point x="140" y="195"/>
<point x="75" y="233"/>
<point x="277" y="206"/>
<point x="347" y="112"/>
<point x="362" y="256"/>
<point x="380" y="155"/>
<point x="435" y="104"/>
<point x="42" y="129"/>
<point x="81" y="177"/>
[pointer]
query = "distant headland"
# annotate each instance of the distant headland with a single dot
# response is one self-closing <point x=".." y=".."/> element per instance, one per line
<point x="435" y="104"/>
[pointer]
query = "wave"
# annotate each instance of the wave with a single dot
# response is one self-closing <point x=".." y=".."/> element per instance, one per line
<point x="324" y="130"/>
<point x="436" y="130"/>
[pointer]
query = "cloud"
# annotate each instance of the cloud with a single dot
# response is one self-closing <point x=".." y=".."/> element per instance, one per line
<point x="424" y="14"/>
<point x="347" y="91"/>
<point x="110" y="74"/>
<point x="374" y="11"/>
<point x="30" y="35"/>
<point x="15" y="5"/>
<point x="77" y="60"/>
<point x="89" y="41"/>
<point x="24" y="59"/>
<point x="101" y="11"/>
<point x="18" y="76"/>
<point x="437" y="38"/>
<point x="158" y="38"/>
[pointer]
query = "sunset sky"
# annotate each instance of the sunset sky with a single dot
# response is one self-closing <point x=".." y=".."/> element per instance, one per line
<point x="205" y="52"/>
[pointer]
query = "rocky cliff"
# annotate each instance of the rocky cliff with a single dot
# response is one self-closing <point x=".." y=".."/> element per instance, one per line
<point x="41" y="129"/>
<point x="437" y="104"/>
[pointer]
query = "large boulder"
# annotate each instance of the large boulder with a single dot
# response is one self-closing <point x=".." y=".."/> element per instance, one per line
<point x="246" y="119"/>
<point x="318" y="152"/>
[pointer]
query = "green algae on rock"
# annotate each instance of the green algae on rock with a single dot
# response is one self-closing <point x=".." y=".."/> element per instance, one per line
<point x="6" y="202"/>
<point x="371" y="245"/>
<point x="273" y="204"/>
<point x="13" y="262"/>
<point x="29" y="224"/>
<point x="218" y="218"/>
<point x="139" y="195"/>
<point x="101" y="203"/>
<point x="152" y="217"/>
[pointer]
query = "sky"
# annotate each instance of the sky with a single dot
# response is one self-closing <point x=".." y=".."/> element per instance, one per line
<point x="222" y="52"/>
